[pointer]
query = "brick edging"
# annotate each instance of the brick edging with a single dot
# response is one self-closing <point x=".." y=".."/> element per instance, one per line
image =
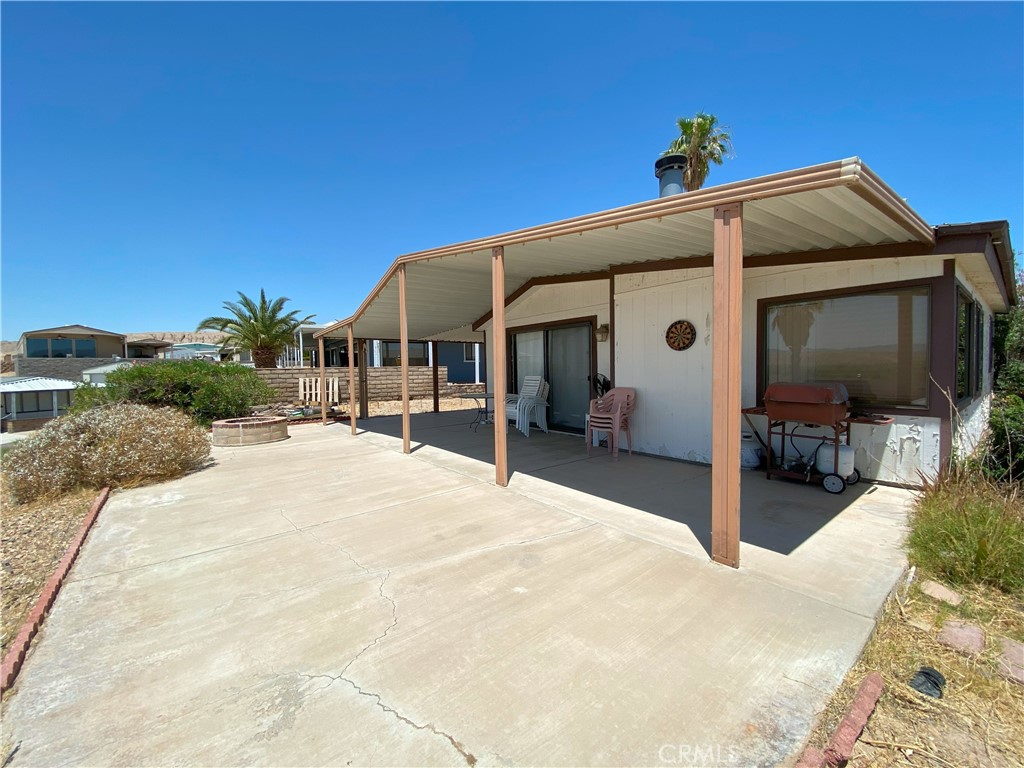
<point x="15" y="655"/>
<point x="840" y="749"/>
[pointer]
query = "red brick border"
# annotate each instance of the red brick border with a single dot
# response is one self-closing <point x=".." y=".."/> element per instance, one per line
<point x="840" y="749"/>
<point x="15" y="655"/>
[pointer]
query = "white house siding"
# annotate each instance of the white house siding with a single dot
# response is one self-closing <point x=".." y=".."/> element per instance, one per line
<point x="972" y="420"/>
<point x="674" y="388"/>
<point x="552" y="303"/>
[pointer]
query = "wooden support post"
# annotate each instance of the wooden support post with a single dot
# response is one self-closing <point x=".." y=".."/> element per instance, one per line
<point x="611" y="329"/>
<point x="403" y="322"/>
<point x="364" y="382"/>
<point x="727" y="333"/>
<point x="323" y="380"/>
<point x="498" y="351"/>
<point x="437" y="390"/>
<point x="351" y="382"/>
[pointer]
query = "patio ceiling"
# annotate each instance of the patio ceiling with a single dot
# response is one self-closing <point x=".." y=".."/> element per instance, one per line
<point x="835" y="205"/>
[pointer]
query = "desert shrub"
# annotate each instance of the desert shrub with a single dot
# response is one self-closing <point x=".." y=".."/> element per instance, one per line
<point x="120" y="444"/>
<point x="204" y="390"/>
<point x="969" y="529"/>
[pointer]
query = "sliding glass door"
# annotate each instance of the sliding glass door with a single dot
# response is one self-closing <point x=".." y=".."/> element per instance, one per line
<point x="562" y="355"/>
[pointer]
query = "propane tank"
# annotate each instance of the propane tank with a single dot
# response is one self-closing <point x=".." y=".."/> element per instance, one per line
<point x="826" y="460"/>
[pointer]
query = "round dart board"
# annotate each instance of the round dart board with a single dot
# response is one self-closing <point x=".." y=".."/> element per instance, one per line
<point x="681" y="335"/>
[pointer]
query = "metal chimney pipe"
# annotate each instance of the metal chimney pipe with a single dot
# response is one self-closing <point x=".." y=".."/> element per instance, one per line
<point x="670" y="169"/>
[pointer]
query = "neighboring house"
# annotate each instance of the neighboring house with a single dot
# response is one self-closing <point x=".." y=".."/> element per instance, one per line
<point x="68" y="350"/>
<point x="30" y="402"/>
<point x="464" y="361"/>
<point x="147" y="349"/>
<point x="194" y="349"/>
<point x="98" y="376"/>
<point x="818" y="274"/>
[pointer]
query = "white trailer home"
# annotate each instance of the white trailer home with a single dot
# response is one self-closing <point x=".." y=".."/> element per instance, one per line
<point x="822" y="274"/>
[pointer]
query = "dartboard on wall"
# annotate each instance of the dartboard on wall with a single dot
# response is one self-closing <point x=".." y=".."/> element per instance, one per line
<point x="681" y="335"/>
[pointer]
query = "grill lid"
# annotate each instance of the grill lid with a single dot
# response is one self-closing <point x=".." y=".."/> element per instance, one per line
<point x="787" y="392"/>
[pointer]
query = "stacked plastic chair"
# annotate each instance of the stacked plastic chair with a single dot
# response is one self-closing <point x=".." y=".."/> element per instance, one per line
<point x="611" y="413"/>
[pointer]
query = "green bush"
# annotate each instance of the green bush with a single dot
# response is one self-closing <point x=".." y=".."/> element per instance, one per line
<point x="969" y="529"/>
<point x="120" y="444"/>
<point x="204" y="390"/>
<point x="1003" y="457"/>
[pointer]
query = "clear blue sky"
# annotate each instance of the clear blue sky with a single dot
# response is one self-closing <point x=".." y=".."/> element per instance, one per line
<point x="159" y="157"/>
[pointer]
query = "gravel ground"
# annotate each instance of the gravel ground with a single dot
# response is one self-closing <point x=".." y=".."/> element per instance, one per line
<point x="34" y="539"/>
<point x="422" y="405"/>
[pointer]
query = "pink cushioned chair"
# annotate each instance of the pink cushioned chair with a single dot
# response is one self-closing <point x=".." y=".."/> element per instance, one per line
<point x="611" y="414"/>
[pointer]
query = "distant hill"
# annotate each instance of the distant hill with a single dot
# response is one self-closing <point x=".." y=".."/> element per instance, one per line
<point x="175" y="337"/>
<point x="180" y="337"/>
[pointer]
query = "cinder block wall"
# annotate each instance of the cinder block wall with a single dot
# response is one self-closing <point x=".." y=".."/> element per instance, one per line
<point x="382" y="383"/>
<point x="57" y="367"/>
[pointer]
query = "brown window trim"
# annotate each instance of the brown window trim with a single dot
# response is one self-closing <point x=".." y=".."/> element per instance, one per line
<point x="941" y="357"/>
<point x="975" y="352"/>
<point x="590" y="320"/>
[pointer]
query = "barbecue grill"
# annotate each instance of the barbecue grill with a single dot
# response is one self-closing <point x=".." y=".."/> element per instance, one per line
<point x="816" y="405"/>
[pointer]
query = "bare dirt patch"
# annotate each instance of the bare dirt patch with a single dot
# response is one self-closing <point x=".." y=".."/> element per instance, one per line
<point x="34" y="538"/>
<point x="980" y="719"/>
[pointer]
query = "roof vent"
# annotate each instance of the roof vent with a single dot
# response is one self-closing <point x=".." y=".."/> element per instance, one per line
<point x="670" y="169"/>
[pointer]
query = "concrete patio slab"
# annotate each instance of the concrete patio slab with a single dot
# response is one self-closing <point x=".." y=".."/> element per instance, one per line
<point x="327" y="600"/>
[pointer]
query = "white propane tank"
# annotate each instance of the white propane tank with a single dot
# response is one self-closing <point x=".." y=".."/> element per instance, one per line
<point x="750" y="453"/>
<point x="826" y="459"/>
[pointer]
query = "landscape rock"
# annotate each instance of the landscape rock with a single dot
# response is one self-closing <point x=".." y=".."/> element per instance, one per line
<point x="962" y="636"/>
<point x="941" y="592"/>
<point x="1011" y="660"/>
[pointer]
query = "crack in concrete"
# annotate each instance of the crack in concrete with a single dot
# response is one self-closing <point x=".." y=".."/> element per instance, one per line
<point x="468" y="756"/>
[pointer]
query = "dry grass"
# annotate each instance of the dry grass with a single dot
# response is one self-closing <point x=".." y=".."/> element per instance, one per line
<point x="34" y="539"/>
<point x="980" y="719"/>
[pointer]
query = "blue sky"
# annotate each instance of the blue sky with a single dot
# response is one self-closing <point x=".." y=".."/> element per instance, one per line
<point x="159" y="157"/>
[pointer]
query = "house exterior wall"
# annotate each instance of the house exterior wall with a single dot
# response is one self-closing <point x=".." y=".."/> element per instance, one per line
<point x="452" y="355"/>
<point x="552" y="303"/>
<point x="971" y="422"/>
<point x="106" y="346"/>
<point x="57" y="367"/>
<point x="674" y="388"/>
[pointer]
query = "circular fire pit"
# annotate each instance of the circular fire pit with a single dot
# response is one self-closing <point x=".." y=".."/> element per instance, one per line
<point x="250" y="430"/>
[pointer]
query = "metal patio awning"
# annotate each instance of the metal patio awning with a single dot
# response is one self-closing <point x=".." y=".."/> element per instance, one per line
<point x="842" y="204"/>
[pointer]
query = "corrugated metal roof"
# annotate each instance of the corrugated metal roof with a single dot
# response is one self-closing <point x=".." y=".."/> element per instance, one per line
<point x="36" y="384"/>
<point x="834" y="205"/>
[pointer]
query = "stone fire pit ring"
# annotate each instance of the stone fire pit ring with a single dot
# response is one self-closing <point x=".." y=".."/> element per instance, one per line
<point x="250" y="430"/>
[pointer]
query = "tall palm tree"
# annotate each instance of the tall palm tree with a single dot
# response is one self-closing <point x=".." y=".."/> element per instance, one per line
<point x="703" y="141"/>
<point x="260" y="328"/>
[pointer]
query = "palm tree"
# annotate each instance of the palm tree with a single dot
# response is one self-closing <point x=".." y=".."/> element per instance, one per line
<point x="259" y="328"/>
<point x="703" y="141"/>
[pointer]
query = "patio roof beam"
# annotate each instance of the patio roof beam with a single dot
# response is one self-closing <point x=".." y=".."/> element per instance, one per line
<point x="403" y="323"/>
<point x="497" y="345"/>
<point x="726" y="346"/>
<point x="351" y="382"/>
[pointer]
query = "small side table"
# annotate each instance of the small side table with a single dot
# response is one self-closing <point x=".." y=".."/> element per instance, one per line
<point x="484" y="408"/>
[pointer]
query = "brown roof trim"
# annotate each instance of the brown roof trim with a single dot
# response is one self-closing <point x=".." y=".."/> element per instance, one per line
<point x="86" y="331"/>
<point x="998" y="234"/>
<point x="850" y="172"/>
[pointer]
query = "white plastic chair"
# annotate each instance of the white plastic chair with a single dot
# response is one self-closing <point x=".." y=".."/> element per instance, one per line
<point x="529" y="388"/>
<point x="533" y="409"/>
